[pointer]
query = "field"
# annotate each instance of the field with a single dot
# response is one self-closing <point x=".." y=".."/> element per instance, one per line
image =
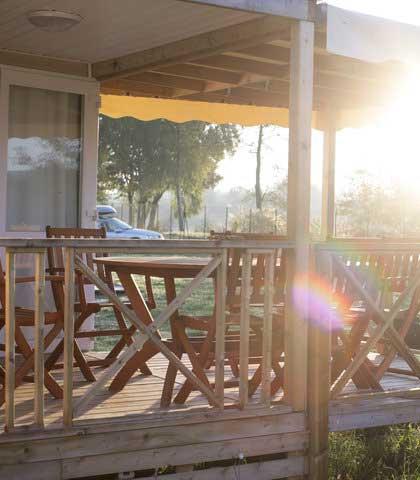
<point x="389" y="453"/>
<point x="201" y="302"/>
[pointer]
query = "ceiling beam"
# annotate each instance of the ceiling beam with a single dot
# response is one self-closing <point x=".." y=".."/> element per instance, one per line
<point x="234" y="37"/>
<point x="294" y="9"/>
<point x="198" y="72"/>
<point x="230" y="97"/>
<point x="332" y="64"/>
<point x="39" y="62"/>
<point x="267" y="53"/>
<point x="161" y="80"/>
<point x="211" y="76"/>
<point x="243" y="65"/>
<point x="133" y="86"/>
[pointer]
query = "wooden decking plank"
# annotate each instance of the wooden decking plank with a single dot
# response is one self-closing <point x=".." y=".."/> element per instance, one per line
<point x="140" y="399"/>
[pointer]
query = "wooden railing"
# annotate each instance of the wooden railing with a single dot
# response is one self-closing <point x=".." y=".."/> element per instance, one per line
<point x="372" y="273"/>
<point x="217" y="267"/>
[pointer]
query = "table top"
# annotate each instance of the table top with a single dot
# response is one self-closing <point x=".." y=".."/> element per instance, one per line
<point x="160" y="266"/>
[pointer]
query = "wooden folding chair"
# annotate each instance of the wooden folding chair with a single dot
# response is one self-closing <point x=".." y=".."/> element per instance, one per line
<point x="407" y="316"/>
<point x="233" y="297"/>
<point x="25" y="317"/>
<point x="84" y="308"/>
<point x="383" y="277"/>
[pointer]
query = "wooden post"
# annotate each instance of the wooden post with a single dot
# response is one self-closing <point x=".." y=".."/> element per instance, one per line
<point x="267" y="328"/>
<point x="298" y="213"/>
<point x="39" y="338"/>
<point x="69" y="296"/>
<point x="328" y="177"/>
<point x="10" y="342"/>
<point x="219" y="357"/>
<point x="244" y="329"/>
<point x="319" y="383"/>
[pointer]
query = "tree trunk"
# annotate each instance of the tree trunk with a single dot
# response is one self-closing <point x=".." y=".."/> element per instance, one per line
<point x="258" y="192"/>
<point x="178" y="193"/>
<point x="179" y="205"/>
<point x="153" y="211"/>
<point x="130" y="208"/>
<point x="141" y="214"/>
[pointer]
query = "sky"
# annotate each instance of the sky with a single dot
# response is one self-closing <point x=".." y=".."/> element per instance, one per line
<point x="389" y="149"/>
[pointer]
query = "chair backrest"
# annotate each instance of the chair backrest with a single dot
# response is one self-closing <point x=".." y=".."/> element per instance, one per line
<point x="380" y="274"/>
<point x="56" y="257"/>
<point x="235" y="261"/>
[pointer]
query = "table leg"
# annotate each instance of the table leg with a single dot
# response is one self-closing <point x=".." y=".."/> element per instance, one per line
<point x="149" y="350"/>
<point x="183" y="344"/>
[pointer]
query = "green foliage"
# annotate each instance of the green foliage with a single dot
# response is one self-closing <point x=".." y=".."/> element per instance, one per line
<point x="387" y="453"/>
<point x="368" y="209"/>
<point x="143" y="160"/>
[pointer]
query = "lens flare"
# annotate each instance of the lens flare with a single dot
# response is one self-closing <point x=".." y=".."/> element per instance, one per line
<point x="312" y="298"/>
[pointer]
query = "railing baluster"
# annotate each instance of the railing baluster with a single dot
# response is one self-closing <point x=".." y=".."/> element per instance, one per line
<point x="10" y="341"/>
<point x="39" y="338"/>
<point x="244" y="329"/>
<point x="267" y="329"/>
<point x="69" y="296"/>
<point x="221" y="279"/>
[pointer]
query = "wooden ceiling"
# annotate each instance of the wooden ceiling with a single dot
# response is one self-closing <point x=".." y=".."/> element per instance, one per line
<point x="245" y="64"/>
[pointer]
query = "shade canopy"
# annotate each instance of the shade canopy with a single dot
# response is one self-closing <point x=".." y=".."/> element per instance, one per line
<point x="180" y="111"/>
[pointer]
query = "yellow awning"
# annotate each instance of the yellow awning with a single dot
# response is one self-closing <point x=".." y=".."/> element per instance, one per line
<point x="180" y="111"/>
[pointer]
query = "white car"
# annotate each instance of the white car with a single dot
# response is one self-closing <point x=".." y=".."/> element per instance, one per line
<point x="116" y="228"/>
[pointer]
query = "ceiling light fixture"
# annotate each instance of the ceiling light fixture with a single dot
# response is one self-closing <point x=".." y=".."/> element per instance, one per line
<point x="53" y="20"/>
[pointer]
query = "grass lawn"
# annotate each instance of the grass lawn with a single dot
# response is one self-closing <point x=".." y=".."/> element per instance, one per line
<point x="386" y="453"/>
<point x="389" y="453"/>
<point x="201" y="302"/>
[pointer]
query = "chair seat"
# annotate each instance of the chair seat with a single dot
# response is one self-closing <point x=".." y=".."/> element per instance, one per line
<point x="26" y="317"/>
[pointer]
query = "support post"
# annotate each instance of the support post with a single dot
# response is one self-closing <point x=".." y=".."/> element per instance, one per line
<point x="69" y="297"/>
<point x="9" y="361"/>
<point x="319" y="381"/>
<point x="244" y="329"/>
<point x="298" y="213"/>
<point x="39" y="338"/>
<point x="219" y="357"/>
<point x="328" y="176"/>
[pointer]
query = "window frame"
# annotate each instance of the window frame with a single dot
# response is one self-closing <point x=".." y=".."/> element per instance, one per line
<point x="89" y="90"/>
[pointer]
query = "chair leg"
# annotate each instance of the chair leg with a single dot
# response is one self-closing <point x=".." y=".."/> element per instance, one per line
<point x="80" y="359"/>
<point x="50" y="383"/>
<point x="168" y="386"/>
<point x="148" y="351"/>
<point x="197" y="365"/>
<point x="81" y="362"/>
<point x="203" y="357"/>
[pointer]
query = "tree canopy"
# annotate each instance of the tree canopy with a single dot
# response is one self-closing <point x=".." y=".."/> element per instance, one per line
<point x="143" y="160"/>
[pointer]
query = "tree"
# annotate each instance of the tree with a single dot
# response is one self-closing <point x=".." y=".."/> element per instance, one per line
<point x="198" y="149"/>
<point x="143" y="160"/>
<point x="368" y="208"/>
<point x="258" y="191"/>
<point x="120" y="165"/>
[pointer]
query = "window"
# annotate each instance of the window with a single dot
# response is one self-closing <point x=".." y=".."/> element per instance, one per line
<point x="44" y="158"/>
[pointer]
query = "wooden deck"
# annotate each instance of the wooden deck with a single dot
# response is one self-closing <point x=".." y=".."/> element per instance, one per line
<point x="141" y="397"/>
<point x="128" y="431"/>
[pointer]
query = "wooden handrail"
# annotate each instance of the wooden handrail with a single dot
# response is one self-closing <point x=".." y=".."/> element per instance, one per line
<point x="140" y="246"/>
<point x="219" y="250"/>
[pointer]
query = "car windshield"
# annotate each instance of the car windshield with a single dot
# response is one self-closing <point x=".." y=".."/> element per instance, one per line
<point x="115" y="225"/>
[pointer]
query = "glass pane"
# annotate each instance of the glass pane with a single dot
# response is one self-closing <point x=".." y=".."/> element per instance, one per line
<point x="43" y="165"/>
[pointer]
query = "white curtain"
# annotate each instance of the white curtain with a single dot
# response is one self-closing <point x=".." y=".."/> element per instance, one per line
<point x="44" y="150"/>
